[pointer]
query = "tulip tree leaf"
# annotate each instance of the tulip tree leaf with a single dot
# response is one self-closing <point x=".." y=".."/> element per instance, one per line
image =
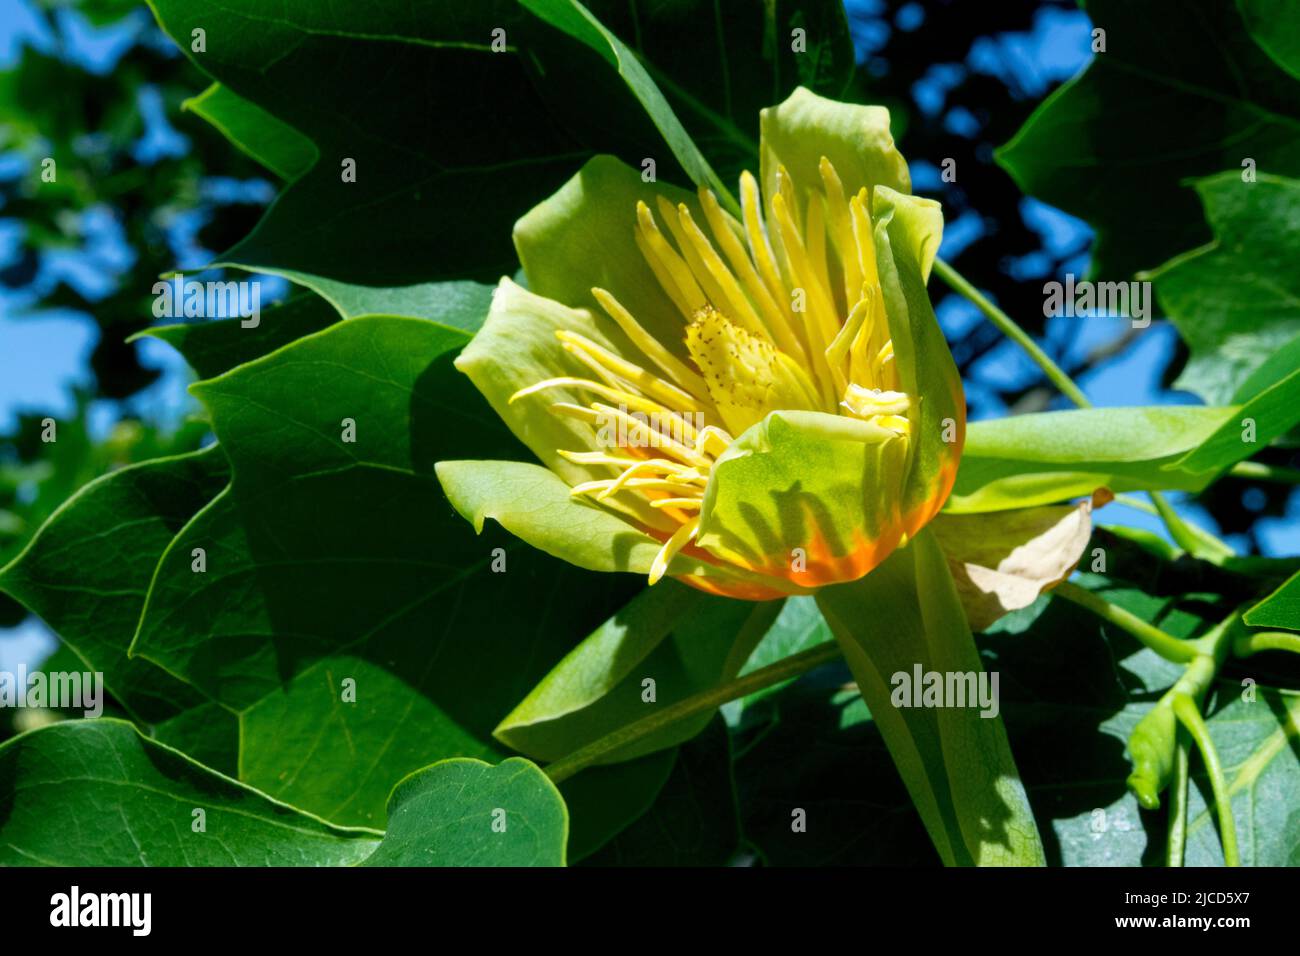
<point x="577" y="21"/>
<point x="361" y="243"/>
<point x="693" y="822"/>
<point x="1258" y="421"/>
<point x="715" y="67"/>
<point x="1072" y="690"/>
<point x="1037" y="459"/>
<point x="469" y="813"/>
<point x="276" y="145"/>
<point x="1237" y="300"/>
<point x="1256" y="741"/>
<point x="344" y="605"/>
<point x="216" y="346"/>
<point x="680" y="639"/>
<point x="1181" y="91"/>
<point x="87" y="571"/>
<point x="476" y="159"/>
<point x="1279" y="609"/>
<point x="97" y="793"/>
<point x="1272" y="23"/>
<point x="603" y="800"/>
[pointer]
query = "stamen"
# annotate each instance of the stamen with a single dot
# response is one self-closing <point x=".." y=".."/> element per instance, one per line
<point x="681" y="537"/>
<point x="837" y="209"/>
<point x="650" y="346"/>
<point x="657" y="440"/>
<point x="657" y="413"/>
<point x="662" y="276"/>
<point x="764" y="260"/>
<point x="669" y="260"/>
<point x="713" y="291"/>
<point x="773" y="316"/>
<point x="821" y="325"/>
<point x="650" y="384"/>
<point x="729" y="291"/>
<point x="711" y="434"/>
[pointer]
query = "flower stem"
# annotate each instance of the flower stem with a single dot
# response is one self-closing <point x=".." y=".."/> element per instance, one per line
<point x="1164" y="644"/>
<point x="1190" y="717"/>
<point x="1194" y="540"/>
<point x="692" y="706"/>
<point x="1007" y="326"/>
<point x="1176" y="845"/>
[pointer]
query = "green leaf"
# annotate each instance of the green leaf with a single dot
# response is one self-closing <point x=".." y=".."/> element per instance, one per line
<point x="276" y="145"/>
<point x="604" y="800"/>
<point x="217" y="346"/>
<point x="1266" y="416"/>
<point x="436" y="186"/>
<point x="1236" y="300"/>
<point x="576" y="20"/>
<point x="334" y="566"/>
<point x="813" y="750"/>
<point x="1181" y="91"/>
<point x="956" y="762"/>
<point x="716" y="68"/>
<point x="97" y="793"/>
<point x="470" y="813"/>
<point x="87" y="571"/>
<point x="693" y="822"/>
<point x="459" y="304"/>
<point x="679" y="638"/>
<point x="799" y="627"/>
<point x="1078" y="687"/>
<point x="1272" y="23"/>
<point x="1047" y="457"/>
<point x="1279" y="609"/>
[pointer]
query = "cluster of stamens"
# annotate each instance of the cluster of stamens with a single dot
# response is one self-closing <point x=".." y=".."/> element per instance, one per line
<point x="781" y="311"/>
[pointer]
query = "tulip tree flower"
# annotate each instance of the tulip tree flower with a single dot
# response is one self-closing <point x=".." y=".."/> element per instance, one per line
<point x="757" y="405"/>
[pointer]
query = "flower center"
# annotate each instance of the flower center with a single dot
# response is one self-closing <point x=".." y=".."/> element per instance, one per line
<point x="782" y="310"/>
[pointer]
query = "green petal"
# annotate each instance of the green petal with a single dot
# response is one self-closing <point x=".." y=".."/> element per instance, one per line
<point x="907" y="235"/>
<point x="826" y="485"/>
<point x="856" y="139"/>
<point x="584" y="236"/>
<point x="533" y="504"/>
<point x="516" y="348"/>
